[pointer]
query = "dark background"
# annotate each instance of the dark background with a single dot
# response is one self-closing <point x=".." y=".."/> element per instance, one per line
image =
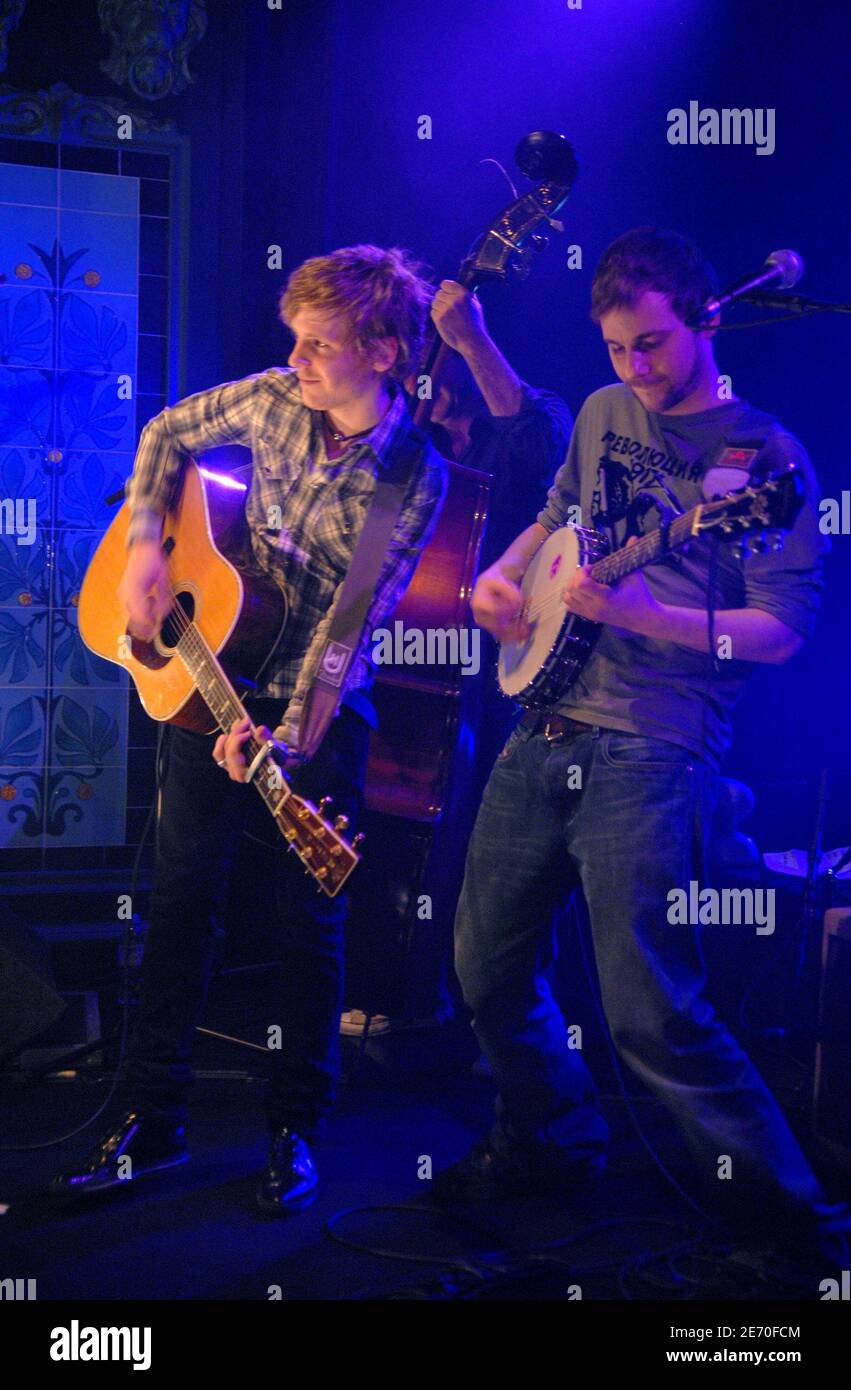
<point x="303" y="131"/>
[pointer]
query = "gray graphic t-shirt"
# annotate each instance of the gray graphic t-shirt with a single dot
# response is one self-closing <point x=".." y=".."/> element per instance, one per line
<point x="657" y="688"/>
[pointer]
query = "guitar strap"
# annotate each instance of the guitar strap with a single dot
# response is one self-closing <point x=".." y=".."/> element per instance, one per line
<point x="356" y="594"/>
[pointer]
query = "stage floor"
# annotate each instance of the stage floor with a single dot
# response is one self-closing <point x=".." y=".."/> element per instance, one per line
<point x="195" y="1233"/>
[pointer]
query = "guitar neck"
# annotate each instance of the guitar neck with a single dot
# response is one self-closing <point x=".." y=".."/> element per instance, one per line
<point x="321" y="849"/>
<point x="649" y="548"/>
<point x="225" y="706"/>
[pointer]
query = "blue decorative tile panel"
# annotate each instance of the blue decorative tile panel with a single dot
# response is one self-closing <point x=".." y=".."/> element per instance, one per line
<point x="69" y="264"/>
<point x="97" y="333"/>
<point x="24" y="184"/>
<point x="107" y="249"/>
<point x="93" y="412"/>
<point x="23" y="648"/>
<point x="74" y="666"/>
<point x="26" y="407"/>
<point x="84" y="481"/>
<point x="25" y="571"/>
<point x="98" y="193"/>
<point x="26" y="327"/>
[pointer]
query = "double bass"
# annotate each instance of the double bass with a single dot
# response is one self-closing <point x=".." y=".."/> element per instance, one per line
<point x="412" y="752"/>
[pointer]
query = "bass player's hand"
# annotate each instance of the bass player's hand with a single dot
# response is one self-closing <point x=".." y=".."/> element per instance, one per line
<point x="145" y="590"/>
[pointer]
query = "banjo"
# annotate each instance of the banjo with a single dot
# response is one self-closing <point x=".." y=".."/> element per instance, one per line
<point x="536" y="672"/>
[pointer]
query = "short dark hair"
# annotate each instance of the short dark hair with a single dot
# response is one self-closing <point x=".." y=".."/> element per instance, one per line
<point x="648" y="258"/>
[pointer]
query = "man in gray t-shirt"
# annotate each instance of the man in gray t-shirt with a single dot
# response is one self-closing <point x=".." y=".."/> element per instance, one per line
<point x="647" y="678"/>
<point x="613" y="788"/>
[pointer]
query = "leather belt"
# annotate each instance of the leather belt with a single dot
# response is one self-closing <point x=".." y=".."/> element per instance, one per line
<point x="554" y="726"/>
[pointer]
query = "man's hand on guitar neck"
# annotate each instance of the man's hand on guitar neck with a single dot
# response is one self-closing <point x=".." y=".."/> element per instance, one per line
<point x="145" y="590"/>
<point x="629" y="604"/>
<point x="227" y="749"/>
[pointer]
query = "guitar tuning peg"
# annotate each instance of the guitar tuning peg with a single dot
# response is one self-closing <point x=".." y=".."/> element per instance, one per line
<point x="341" y="822"/>
<point x="358" y="839"/>
<point x="759" y="543"/>
<point x="740" y="550"/>
<point x="325" y="802"/>
<point x="775" y="539"/>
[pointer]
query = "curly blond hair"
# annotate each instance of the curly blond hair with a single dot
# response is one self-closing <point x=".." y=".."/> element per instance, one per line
<point x="380" y="293"/>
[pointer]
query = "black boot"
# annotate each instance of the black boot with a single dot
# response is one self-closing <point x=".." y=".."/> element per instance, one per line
<point x="148" y="1142"/>
<point x="491" y="1172"/>
<point x="290" y="1182"/>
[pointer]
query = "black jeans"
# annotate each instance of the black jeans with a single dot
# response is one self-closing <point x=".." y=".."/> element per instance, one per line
<point x="202" y="814"/>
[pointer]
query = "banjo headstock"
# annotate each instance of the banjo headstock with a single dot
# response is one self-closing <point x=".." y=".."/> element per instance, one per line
<point x="771" y="505"/>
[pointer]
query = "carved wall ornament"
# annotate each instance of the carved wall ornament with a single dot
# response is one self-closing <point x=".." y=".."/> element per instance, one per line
<point x="60" y="113"/>
<point x="11" y="12"/>
<point x="151" y="42"/>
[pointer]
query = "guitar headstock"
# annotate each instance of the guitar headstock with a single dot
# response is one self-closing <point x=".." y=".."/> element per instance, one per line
<point x="318" y="843"/>
<point x="771" y="505"/>
<point x="548" y="158"/>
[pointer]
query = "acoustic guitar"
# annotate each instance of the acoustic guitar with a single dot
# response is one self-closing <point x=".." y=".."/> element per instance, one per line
<point x="227" y="620"/>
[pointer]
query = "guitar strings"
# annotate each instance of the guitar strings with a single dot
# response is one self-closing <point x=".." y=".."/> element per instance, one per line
<point x="186" y="628"/>
<point x="641" y="550"/>
<point x="554" y="598"/>
<point x="189" y="630"/>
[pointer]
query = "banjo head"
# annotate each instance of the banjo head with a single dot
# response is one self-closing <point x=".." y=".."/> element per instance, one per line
<point x="521" y="662"/>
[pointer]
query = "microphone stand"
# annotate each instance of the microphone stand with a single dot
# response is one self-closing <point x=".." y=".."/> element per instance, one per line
<point x="796" y="303"/>
<point x="802" y="999"/>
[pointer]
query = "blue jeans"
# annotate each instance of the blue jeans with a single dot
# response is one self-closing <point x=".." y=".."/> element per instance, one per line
<point x="626" y="818"/>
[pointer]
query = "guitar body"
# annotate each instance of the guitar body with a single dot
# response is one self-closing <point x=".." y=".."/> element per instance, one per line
<point x="240" y="612"/>
<point x="536" y="672"/>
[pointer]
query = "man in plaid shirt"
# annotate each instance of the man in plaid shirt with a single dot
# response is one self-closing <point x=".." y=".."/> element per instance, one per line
<point x="321" y="435"/>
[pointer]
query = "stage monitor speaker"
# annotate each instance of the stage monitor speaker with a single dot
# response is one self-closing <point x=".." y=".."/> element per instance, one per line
<point x="831" y="1093"/>
<point x="29" y="1004"/>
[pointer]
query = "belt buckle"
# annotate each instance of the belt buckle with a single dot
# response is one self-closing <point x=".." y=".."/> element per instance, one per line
<point x="552" y="737"/>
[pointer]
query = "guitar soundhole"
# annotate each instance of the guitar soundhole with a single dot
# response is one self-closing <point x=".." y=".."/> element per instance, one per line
<point x="175" y="624"/>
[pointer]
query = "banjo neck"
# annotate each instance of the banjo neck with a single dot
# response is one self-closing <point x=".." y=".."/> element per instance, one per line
<point x="650" y="548"/>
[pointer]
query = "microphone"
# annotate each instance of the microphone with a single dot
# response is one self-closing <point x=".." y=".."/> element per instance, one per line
<point x="782" y="269"/>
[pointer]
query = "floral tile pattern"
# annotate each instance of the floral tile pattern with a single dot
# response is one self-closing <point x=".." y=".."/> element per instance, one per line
<point x="69" y="265"/>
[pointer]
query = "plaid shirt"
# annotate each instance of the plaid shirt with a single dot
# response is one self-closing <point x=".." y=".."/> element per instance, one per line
<point x="304" y="510"/>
